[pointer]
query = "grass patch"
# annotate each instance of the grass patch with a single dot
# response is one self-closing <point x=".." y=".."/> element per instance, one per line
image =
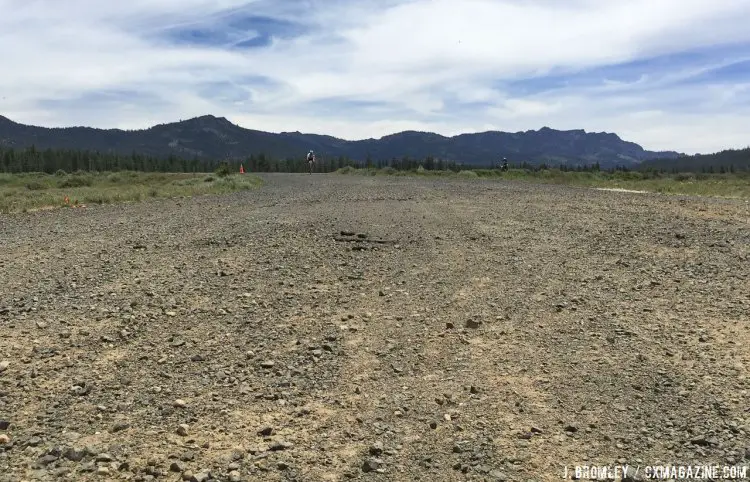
<point x="31" y="191"/>
<point x="730" y="185"/>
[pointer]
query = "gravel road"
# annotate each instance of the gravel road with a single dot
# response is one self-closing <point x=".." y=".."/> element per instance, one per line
<point x="332" y="327"/>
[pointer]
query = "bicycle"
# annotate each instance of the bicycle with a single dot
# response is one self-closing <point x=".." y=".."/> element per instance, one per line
<point x="310" y="164"/>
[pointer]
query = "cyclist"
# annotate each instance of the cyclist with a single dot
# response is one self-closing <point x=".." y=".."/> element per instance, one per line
<point x="310" y="159"/>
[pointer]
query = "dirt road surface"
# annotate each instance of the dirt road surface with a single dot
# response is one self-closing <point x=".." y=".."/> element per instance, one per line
<point x="333" y="327"/>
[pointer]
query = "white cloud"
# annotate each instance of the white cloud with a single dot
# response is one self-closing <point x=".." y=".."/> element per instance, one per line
<point x="423" y="58"/>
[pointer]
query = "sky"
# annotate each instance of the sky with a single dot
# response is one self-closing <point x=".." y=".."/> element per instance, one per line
<point x="667" y="74"/>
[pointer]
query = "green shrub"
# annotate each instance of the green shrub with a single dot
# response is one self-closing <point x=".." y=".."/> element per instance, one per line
<point x="627" y="176"/>
<point x="60" y="173"/>
<point x="95" y="198"/>
<point x="209" y="179"/>
<point x="36" y="186"/>
<point x="76" y="181"/>
<point x="188" y="182"/>
<point x="223" y="170"/>
<point x="468" y="174"/>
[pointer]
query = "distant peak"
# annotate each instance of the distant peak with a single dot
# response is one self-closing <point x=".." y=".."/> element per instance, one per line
<point x="209" y="118"/>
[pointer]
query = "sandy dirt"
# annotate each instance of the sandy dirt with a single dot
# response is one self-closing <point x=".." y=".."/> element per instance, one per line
<point x="332" y="327"/>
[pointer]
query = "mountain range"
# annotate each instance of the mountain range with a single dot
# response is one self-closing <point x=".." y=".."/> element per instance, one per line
<point x="210" y="137"/>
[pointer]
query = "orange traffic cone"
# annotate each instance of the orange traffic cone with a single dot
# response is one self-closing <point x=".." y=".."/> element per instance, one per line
<point x="242" y="169"/>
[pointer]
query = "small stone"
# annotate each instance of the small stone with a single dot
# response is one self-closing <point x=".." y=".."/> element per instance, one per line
<point x="376" y="448"/>
<point x="46" y="460"/>
<point x="265" y="431"/>
<point x="187" y="456"/>
<point x="280" y="445"/>
<point x="119" y="427"/>
<point x="4" y="439"/>
<point x="433" y="425"/>
<point x="103" y="457"/>
<point x="701" y="441"/>
<point x="498" y="476"/>
<point x="102" y="470"/>
<point x="176" y="467"/>
<point x="372" y="464"/>
<point x="473" y="324"/>
<point x="234" y="476"/>
<point x="201" y="476"/>
<point x="4" y="365"/>
<point x="180" y="403"/>
<point x="4" y="424"/>
<point x="267" y="364"/>
<point x="81" y="388"/>
<point x="182" y="430"/>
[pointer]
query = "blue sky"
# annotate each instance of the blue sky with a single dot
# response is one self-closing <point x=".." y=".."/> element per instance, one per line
<point x="667" y="74"/>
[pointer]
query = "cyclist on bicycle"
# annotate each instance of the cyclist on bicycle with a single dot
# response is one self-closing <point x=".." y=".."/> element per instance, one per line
<point x="310" y="160"/>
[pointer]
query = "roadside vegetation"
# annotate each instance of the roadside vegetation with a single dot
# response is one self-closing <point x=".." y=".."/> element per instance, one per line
<point x="727" y="184"/>
<point x="23" y="192"/>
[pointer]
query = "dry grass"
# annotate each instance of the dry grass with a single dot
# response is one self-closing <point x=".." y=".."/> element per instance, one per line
<point x="36" y="191"/>
<point x="736" y="185"/>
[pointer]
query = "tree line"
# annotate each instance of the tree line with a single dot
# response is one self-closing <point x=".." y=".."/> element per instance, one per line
<point x="70" y="160"/>
<point x="730" y="160"/>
